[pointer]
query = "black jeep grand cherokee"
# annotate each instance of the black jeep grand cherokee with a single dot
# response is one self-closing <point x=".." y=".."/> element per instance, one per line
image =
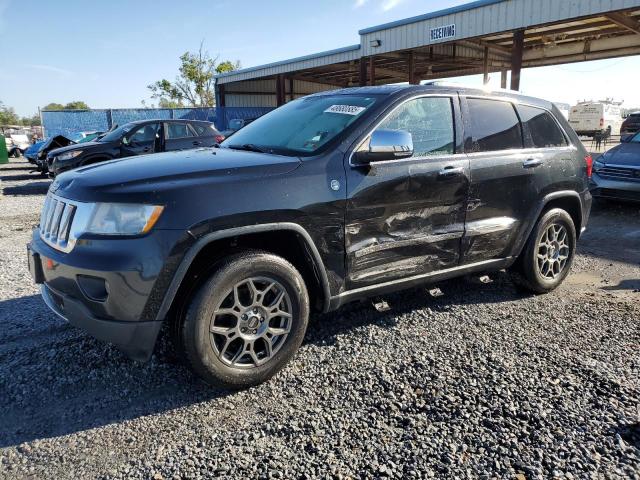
<point x="330" y="198"/>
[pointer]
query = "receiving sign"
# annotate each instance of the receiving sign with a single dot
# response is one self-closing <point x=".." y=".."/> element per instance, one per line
<point x="441" y="33"/>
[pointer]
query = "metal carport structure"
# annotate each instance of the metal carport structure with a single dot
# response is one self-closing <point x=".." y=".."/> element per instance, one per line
<point x="481" y="37"/>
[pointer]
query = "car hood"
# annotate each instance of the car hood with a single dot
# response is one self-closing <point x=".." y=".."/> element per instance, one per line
<point x="158" y="177"/>
<point x="627" y="154"/>
<point x="76" y="146"/>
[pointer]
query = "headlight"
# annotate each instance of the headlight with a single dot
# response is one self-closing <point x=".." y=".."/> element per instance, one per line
<point x="69" y="155"/>
<point x="123" y="218"/>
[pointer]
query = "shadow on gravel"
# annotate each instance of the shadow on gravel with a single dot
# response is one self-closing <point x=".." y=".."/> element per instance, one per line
<point x="324" y="329"/>
<point x="25" y="167"/>
<point x="18" y="178"/>
<point x="36" y="188"/>
<point x="630" y="434"/>
<point x="627" y="284"/>
<point x="56" y="380"/>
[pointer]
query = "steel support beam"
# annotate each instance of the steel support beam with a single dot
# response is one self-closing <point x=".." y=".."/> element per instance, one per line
<point x="485" y="66"/>
<point x="516" y="59"/>
<point x="372" y="71"/>
<point x="624" y="21"/>
<point x="363" y="71"/>
<point x="280" y="90"/>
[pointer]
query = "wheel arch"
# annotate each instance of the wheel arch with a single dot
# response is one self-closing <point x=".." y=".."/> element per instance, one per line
<point x="568" y="200"/>
<point x="303" y="254"/>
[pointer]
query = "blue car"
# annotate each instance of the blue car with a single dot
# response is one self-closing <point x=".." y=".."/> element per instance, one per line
<point x="31" y="153"/>
<point x="616" y="173"/>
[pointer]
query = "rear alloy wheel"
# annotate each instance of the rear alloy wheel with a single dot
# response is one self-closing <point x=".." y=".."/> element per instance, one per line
<point x="548" y="254"/>
<point x="246" y="321"/>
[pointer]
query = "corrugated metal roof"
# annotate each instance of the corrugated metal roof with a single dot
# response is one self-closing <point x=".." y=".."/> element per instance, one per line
<point x="429" y="16"/>
<point x="314" y="56"/>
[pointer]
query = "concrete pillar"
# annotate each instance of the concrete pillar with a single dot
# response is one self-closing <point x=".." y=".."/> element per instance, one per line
<point x="503" y="79"/>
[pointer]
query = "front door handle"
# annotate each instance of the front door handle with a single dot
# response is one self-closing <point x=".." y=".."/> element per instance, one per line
<point x="451" y="171"/>
<point x="196" y="143"/>
<point x="532" y="162"/>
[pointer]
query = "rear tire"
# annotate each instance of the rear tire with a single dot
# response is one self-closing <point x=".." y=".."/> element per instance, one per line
<point x="246" y="321"/>
<point x="548" y="254"/>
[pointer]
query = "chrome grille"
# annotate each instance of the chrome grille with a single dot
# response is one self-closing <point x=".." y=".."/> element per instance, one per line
<point x="620" y="173"/>
<point x="62" y="221"/>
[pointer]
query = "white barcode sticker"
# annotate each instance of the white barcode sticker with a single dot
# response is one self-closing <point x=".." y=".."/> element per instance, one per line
<point x="345" y="109"/>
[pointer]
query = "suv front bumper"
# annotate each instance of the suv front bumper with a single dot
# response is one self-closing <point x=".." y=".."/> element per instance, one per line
<point x="628" y="190"/>
<point x="107" y="287"/>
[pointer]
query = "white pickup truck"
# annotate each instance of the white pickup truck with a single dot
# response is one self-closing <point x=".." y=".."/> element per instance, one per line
<point x="591" y="118"/>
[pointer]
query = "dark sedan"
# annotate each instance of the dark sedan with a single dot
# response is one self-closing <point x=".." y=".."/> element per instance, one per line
<point x="135" y="138"/>
<point x="616" y="173"/>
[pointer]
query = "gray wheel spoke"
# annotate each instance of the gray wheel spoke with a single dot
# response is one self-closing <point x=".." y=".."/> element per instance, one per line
<point x="246" y="336"/>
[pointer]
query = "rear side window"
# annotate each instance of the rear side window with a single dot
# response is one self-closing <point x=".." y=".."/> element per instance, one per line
<point x="201" y="130"/>
<point x="494" y="125"/>
<point x="429" y="120"/>
<point x="540" y="129"/>
<point x="178" y="130"/>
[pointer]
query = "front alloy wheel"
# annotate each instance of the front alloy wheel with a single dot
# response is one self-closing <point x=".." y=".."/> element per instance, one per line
<point x="247" y="320"/>
<point x="251" y="323"/>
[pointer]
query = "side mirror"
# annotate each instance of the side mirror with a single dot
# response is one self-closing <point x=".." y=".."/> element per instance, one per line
<point x="385" y="145"/>
<point x="626" y="138"/>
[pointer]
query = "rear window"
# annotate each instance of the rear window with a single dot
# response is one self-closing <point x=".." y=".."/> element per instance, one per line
<point x="494" y="125"/>
<point x="540" y="128"/>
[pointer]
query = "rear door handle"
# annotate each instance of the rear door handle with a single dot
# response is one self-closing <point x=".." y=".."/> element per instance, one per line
<point x="532" y="162"/>
<point x="196" y="143"/>
<point x="451" y="171"/>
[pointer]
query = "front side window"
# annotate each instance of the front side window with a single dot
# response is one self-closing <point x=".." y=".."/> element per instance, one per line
<point x="541" y="130"/>
<point x="144" y="134"/>
<point x="494" y="125"/>
<point x="178" y="130"/>
<point x="429" y="120"/>
<point x="303" y="126"/>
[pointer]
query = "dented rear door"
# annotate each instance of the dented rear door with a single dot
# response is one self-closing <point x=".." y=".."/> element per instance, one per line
<point x="406" y="217"/>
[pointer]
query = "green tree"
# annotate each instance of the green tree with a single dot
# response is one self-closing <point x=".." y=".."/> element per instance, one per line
<point x="53" y="106"/>
<point x="8" y="115"/>
<point x="76" y="105"/>
<point x="228" y="66"/>
<point x="32" y="121"/>
<point x="194" y="86"/>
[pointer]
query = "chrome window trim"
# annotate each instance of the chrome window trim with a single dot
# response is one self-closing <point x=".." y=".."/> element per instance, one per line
<point x="456" y="155"/>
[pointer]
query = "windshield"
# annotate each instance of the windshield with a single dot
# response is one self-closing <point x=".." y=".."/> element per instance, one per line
<point x="636" y="138"/>
<point x="118" y="133"/>
<point x="302" y="126"/>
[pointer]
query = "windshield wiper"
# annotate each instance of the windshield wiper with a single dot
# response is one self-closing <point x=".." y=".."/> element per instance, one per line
<point x="250" y="147"/>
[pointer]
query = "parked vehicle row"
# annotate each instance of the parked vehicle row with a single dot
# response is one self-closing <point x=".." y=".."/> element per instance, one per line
<point x="331" y="198"/>
<point x="591" y="118"/>
<point x="616" y="173"/>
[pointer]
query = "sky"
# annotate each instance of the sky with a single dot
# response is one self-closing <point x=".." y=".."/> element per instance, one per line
<point x="106" y="53"/>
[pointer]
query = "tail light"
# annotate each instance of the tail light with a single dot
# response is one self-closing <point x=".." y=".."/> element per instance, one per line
<point x="219" y="138"/>
<point x="601" y="122"/>
<point x="589" y="162"/>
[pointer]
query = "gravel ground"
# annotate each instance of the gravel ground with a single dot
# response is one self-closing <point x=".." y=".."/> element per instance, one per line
<point x="471" y="381"/>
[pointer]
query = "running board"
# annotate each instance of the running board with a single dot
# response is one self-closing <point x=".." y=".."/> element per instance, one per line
<point x="425" y="278"/>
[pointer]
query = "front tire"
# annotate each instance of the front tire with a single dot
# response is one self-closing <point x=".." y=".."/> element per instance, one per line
<point x="246" y="321"/>
<point x="548" y="254"/>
